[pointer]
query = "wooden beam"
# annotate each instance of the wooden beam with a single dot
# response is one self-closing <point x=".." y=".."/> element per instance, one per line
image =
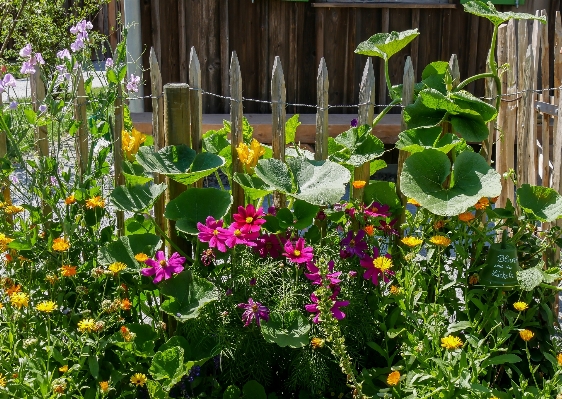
<point x="382" y="5"/>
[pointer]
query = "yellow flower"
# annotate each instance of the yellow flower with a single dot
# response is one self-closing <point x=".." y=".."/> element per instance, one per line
<point x="64" y="368"/>
<point x="86" y="325"/>
<point x="466" y="216"/>
<point x="393" y="378"/>
<point x="46" y="306"/>
<point x="482" y="203"/>
<point x="440" y="240"/>
<point x="116" y="267"/>
<point x="60" y="244"/>
<point x="131" y="142"/>
<point x="68" y="270"/>
<point x="359" y="184"/>
<point x="70" y="200"/>
<point x="19" y="299"/>
<point x="104" y="386"/>
<point x="126" y="304"/>
<point x="394" y="290"/>
<point x="13" y="209"/>
<point x="4" y="241"/>
<point x="1" y="305"/>
<point x="249" y="156"/>
<point x="520" y="306"/>
<point x="411" y="241"/>
<point x="413" y="202"/>
<point x="559" y="358"/>
<point x="317" y="343"/>
<point x="141" y="257"/>
<point x="451" y="342"/>
<point x="51" y="278"/>
<point x="138" y="379"/>
<point x="526" y="335"/>
<point x="382" y="263"/>
<point x="96" y="202"/>
<point x="3" y="381"/>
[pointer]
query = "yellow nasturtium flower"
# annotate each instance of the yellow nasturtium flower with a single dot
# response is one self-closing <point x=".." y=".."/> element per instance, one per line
<point x="249" y="156"/>
<point x="131" y="141"/>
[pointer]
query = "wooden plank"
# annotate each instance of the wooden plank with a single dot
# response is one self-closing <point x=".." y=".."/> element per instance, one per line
<point x="365" y="117"/>
<point x="383" y="5"/>
<point x="225" y="51"/>
<point x="472" y="54"/>
<point x="112" y="22"/>
<point x="264" y="44"/>
<point x="196" y="105"/>
<point x="182" y="35"/>
<point x="532" y="167"/>
<point x="385" y="22"/>
<point x="499" y="136"/>
<point x="522" y="41"/>
<point x="236" y="114"/>
<point x="322" y="86"/>
<point x="37" y="98"/>
<point x="119" y="178"/>
<point x="511" y="111"/>
<point x="545" y="96"/>
<point x="557" y="139"/>
<point x="158" y="134"/>
<point x="529" y="140"/>
<point x="156" y="31"/>
<point x="415" y="45"/>
<point x="81" y="136"/>
<point x="278" y="100"/>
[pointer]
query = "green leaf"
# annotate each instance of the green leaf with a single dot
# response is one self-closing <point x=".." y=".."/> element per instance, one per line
<point x="155" y="390"/>
<point x="94" y="366"/>
<point x="254" y="390"/>
<point x="188" y="294"/>
<point x="291" y="128"/>
<point x="136" y="199"/>
<point x="417" y="115"/>
<point x="472" y="128"/>
<point x="194" y="205"/>
<point x="139" y="225"/>
<point x="180" y="163"/>
<point x="125" y="249"/>
<point x="376" y="165"/>
<point x="214" y="141"/>
<point x="135" y="174"/>
<point x="177" y="340"/>
<point x="421" y="138"/>
<point x="290" y="329"/>
<point x="247" y="130"/>
<point x="466" y="100"/>
<point x="531" y="278"/>
<point x="112" y="76"/>
<point x="304" y="214"/>
<point x="385" y="45"/>
<point x="359" y="146"/>
<point x="461" y="325"/>
<point x="254" y="187"/>
<point x="488" y="11"/>
<point x="231" y="392"/>
<point x="501" y="359"/>
<point x="142" y="343"/>
<point x="167" y="365"/>
<point x="275" y="173"/>
<point x="425" y="172"/>
<point x="543" y="203"/>
<point x="382" y="192"/>
<point x="127" y="121"/>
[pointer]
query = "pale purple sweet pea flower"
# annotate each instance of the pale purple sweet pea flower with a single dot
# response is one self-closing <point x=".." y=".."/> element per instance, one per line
<point x="25" y="52"/>
<point x="14" y="179"/>
<point x="53" y="180"/>
<point x="42" y="108"/>
<point x="27" y="68"/>
<point x="13" y="105"/>
<point x="39" y="58"/>
<point x="133" y="83"/>
<point x="63" y="54"/>
<point x="109" y="63"/>
<point x="163" y="268"/>
<point x="253" y="311"/>
<point x="8" y="81"/>
<point x="77" y="45"/>
<point x="209" y="232"/>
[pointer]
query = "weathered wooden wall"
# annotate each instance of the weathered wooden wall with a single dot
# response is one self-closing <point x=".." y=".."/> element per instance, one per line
<point x="300" y="35"/>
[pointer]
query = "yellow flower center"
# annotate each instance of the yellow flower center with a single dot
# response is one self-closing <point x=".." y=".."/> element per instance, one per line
<point x="237" y="233"/>
<point x="163" y="263"/>
<point x="215" y="232"/>
<point x="249" y="220"/>
<point x="296" y="252"/>
<point x="352" y="243"/>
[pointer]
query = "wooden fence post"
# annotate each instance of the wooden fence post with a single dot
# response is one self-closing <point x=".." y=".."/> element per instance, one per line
<point x="557" y="139"/>
<point x="82" y="133"/>
<point x="236" y="115"/>
<point x="322" y="85"/>
<point x="511" y="111"/>
<point x="177" y="129"/>
<point x="522" y="48"/>
<point x="527" y="138"/>
<point x="196" y="105"/>
<point x="118" y="155"/>
<point x="490" y="91"/>
<point x="532" y="165"/>
<point x="499" y="135"/>
<point x="365" y="117"/>
<point x="278" y="100"/>
<point x="545" y="97"/>
<point x="158" y="133"/>
<point x="37" y="97"/>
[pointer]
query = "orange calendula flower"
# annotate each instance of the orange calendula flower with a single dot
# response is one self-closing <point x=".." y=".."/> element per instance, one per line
<point x="104" y="386"/>
<point x="413" y="202"/>
<point x="473" y="279"/>
<point x="141" y="257"/>
<point x="438" y="224"/>
<point x="450" y="342"/>
<point x="126" y="304"/>
<point x="70" y="200"/>
<point x="411" y="241"/>
<point x="12" y="289"/>
<point x="466" y="216"/>
<point x="382" y="263"/>
<point x="68" y="270"/>
<point x="131" y="142"/>
<point x="63" y="369"/>
<point x="494" y="200"/>
<point x="559" y="359"/>
<point x="359" y="184"/>
<point x="250" y="156"/>
<point x="60" y="244"/>
<point x="369" y="229"/>
<point x="117" y="267"/>
<point x="482" y="203"/>
<point x="13" y="209"/>
<point x="4" y="241"/>
<point x="393" y="378"/>
<point x="51" y="278"/>
<point x="96" y="202"/>
<point x="442" y="241"/>
<point x="317" y="343"/>
<point x="526" y="335"/>
<point x="138" y="379"/>
<point x="394" y="290"/>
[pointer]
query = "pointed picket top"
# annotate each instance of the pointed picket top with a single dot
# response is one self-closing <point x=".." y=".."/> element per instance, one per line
<point x="322" y="86"/>
<point x="157" y="101"/>
<point x="367" y="94"/>
<point x="408" y="81"/>
<point x="454" y="70"/>
<point x="196" y="104"/>
<point x="194" y="69"/>
<point x="236" y="114"/>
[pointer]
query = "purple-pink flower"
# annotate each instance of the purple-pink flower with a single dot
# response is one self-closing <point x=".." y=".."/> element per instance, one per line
<point x="316" y="278"/>
<point x="248" y="220"/>
<point x="109" y="63"/>
<point x="269" y="245"/>
<point x="253" y="311"/>
<point x="233" y="236"/>
<point x="133" y="83"/>
<point x="297" y="252"/>
<point x="354" y="122"/>
<point x="377" y="209"/>
<point x="354" y="244"/>
<point x="26" y="51"/>
<point x="163" y="268"/>
<point x="209" y="232"/>
<point x="7" y="81"/>
<point x="335" y="309"/>
<point x="62" y="54"/>
<point x="27" y="68"/>
<point x="377" y="266"/>
<point x="388" y="228"/>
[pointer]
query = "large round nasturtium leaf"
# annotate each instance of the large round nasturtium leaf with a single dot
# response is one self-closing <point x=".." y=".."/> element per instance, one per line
<point x="194" y="205"/>
<point x="385" y="45"/>
<point x="125" y="248"/>
<point x="179" y="163"/>
<point x="425" y="172"/>
<point x="289" y="329"/>
<point x="136" y="198"/>
<point x="488" y="11"/>
<point x="542" y="202"/>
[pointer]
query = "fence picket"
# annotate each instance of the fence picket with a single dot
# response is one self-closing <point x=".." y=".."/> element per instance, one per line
<point x="511" y="111"/>
<point x="522" y="46"/>
<point x="196" y="104"/>
<point x="528" y="148"/>
<point x="82" y="133"/>
<point x="498" y="136"/>
<point x="408" y="82"/>
<point x="545" y="97"/>
<point x="557" y="139"/>
<point x="365" y="117"/>
<point x="532" y="156"/>
<point x="278" y="100"/>
<point x="322" y="86"/>
<point x="118" y="154"/>
<point x="236" y="115"/>
<point x="37" y="98"/>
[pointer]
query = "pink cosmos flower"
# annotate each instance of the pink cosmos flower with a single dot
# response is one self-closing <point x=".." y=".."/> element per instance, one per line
<point x="269" y="245"/>
<point x="377" y="210"/>
<point x="253" y="311"/>
<point x="248" y="219"/>
<point x="336" y="311"/>
<point x="298" y="253"/>
<point x="233" y="236"/>
<point x="316" y="278"/>
<point x="163" y="268"/>
<point x="209" y="232"/>
<point x="377" y="266"/>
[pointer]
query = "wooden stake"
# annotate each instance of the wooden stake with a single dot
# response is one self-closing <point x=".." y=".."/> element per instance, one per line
<point x="407" y="98"/>
<point x="278" y="100"/>
<point x="236" y="116"/>
<point x="82" y="133"/>
<point x="521" y="104"/>
<point x="322" y="85"/>
<point x="196" y="105"/>
<point x="118" y="155"/>
<point x="499" y="136"/>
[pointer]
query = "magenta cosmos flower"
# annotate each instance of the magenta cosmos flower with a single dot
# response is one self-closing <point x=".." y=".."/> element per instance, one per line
<point x="377" y="266"/>
<point x="354" y="244"/>
<point x="377" y="210"/>
<point x="388" y="228"/>
<point x="316" y="278"/>
<point x="233" y="236"/>
<point x="269" y="245"/>
<point x="253" y="311"/>
<point x="335" y="309"/>
<point x="163" y="268"/>
<point x="209" y="232"/>
<point x="297" y="253"/>
<point x="248" y="220"/>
